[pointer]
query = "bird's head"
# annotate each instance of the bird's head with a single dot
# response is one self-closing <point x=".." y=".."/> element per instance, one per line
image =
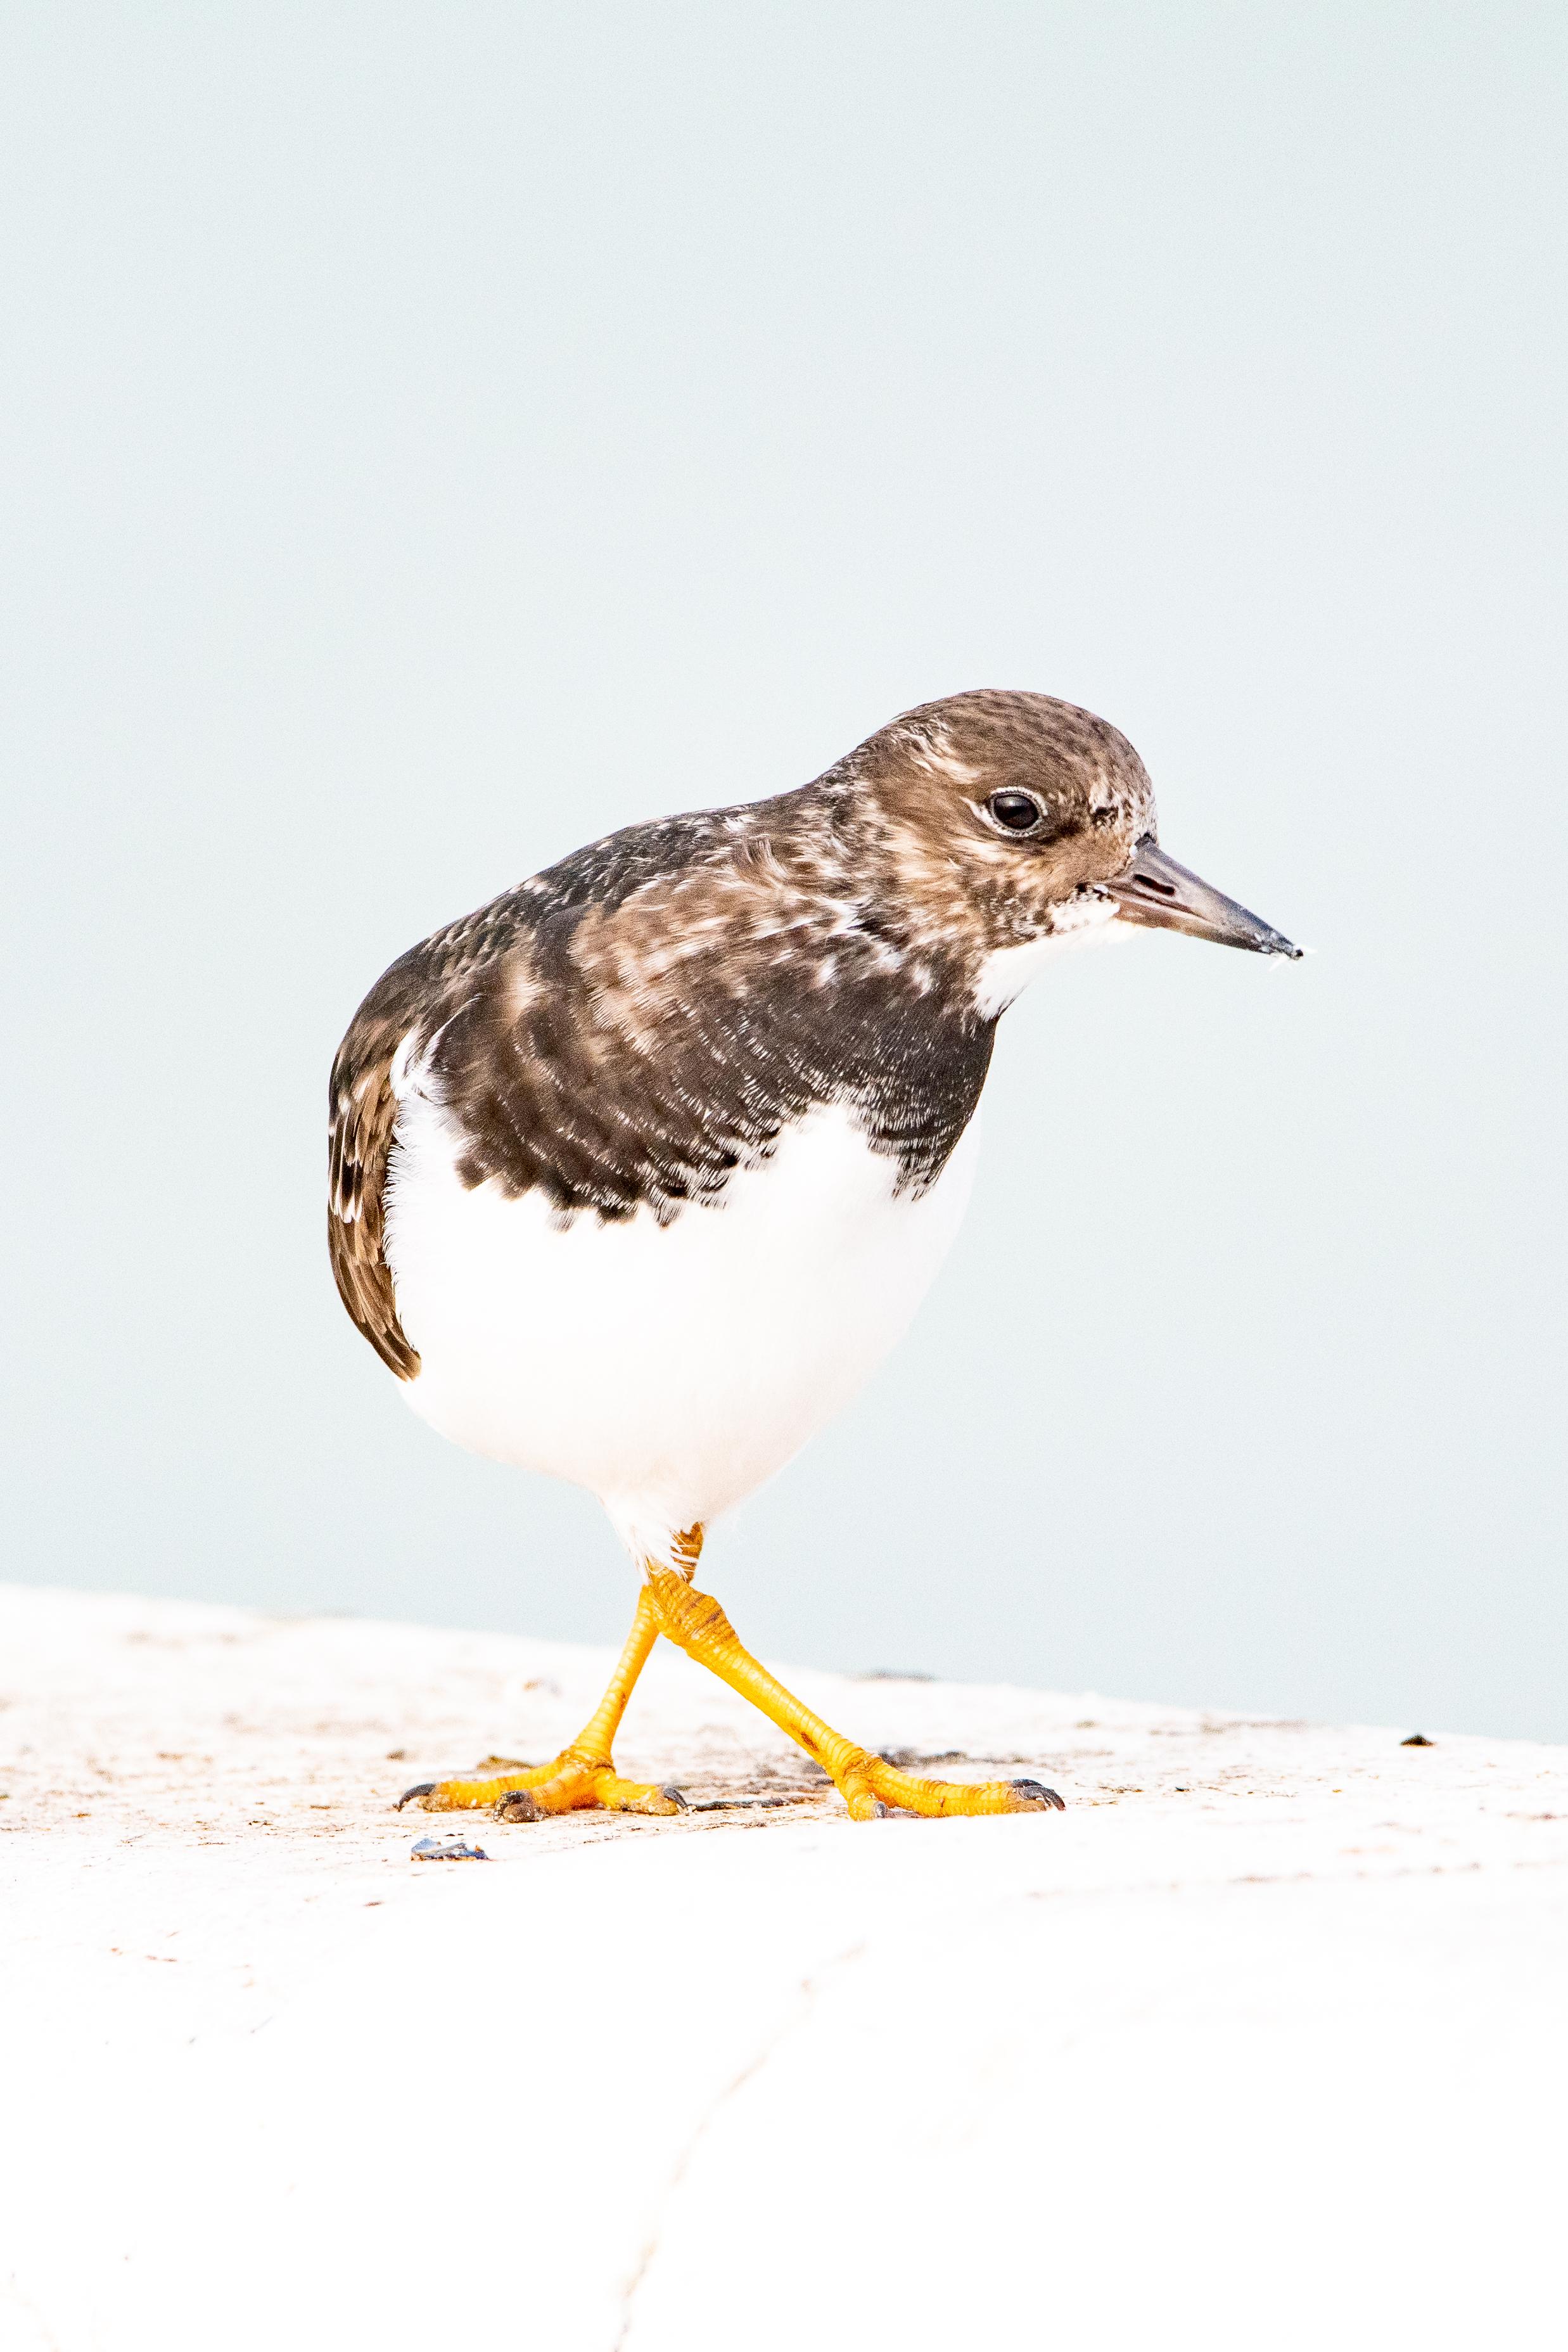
<point x="1004" y="824"/>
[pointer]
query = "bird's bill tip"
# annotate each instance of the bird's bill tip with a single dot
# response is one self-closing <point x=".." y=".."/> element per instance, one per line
<point x="1158" y="893"/>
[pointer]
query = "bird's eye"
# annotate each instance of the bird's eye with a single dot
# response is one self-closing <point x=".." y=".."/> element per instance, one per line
<point x="1016" y="811"/>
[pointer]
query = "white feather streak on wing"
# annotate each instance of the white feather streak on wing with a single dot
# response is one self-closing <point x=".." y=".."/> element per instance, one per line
<point x="669" y="1370"/>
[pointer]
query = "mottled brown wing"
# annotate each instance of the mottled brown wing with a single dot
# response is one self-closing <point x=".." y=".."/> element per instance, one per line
<point x="362" y="1110"/>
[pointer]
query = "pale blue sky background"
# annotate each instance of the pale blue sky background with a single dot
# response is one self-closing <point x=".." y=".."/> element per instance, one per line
<point x="437" y="435"/>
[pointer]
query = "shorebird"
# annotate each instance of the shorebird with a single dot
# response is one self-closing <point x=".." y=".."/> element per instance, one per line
<point x="638" y="1172"/>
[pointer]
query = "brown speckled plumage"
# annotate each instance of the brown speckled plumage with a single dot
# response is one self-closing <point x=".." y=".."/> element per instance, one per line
<point x="634" y="1024"/>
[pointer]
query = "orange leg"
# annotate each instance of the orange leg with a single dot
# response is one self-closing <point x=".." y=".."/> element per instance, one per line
<point x="581" y="1774"/>
<point x="695" y="1623"/>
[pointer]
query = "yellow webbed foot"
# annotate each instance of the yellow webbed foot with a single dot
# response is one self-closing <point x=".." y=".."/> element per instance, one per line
<point x="581" y="1776"/>
<point x="870" y="1786"/>
<point x="571" y="1782"/>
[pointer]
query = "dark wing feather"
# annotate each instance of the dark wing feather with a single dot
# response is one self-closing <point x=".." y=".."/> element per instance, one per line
<point x="577" y="1055"/>
<point x="362" y="1110"/>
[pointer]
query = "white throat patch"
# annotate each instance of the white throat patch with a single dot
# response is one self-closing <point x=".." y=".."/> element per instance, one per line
<point x="1007" y="971"/>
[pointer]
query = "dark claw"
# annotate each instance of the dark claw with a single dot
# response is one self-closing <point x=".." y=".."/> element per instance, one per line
<point x="1039" y="1794"/>
<point x="420" y="1789"/>
<point x="675" y="1797"/>
<point x="518" y="1805"/>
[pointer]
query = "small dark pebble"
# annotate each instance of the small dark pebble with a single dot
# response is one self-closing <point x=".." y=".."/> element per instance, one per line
<point x="448" y="1850"/>
<point x="1417" y="1739"/>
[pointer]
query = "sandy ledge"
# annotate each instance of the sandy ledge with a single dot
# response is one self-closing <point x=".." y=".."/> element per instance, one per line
<point x="1265" y="2040"/>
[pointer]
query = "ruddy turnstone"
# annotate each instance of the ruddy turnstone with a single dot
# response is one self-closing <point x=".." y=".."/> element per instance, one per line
<point x="638" y="1170"/>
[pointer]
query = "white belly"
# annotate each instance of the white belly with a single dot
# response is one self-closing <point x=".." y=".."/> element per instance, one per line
<point x="670" y="1371"/>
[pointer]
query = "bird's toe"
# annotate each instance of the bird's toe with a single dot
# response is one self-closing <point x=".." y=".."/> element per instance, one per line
<point x="1037" y="1798"/>
<point x="518" y="1805"/>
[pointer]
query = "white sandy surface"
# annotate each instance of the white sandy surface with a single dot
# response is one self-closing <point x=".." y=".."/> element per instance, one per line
<point x="1263" y="2043"/>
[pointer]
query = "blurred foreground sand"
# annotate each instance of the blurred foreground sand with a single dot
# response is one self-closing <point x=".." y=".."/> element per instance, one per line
<point x="1264" y="2040"/>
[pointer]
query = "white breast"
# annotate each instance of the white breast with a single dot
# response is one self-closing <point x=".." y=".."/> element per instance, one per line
<point x="670" y="1371"/>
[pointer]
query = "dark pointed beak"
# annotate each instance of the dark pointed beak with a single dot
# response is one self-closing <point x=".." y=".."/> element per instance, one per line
<point x="1156" y="890"/>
